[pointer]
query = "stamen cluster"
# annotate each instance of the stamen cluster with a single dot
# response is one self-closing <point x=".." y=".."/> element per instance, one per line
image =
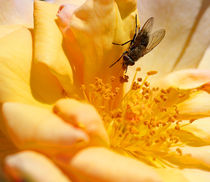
<point x="145" y="122"/>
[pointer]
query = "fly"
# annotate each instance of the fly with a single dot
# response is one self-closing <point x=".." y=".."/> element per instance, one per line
<point x="142" y="43"/>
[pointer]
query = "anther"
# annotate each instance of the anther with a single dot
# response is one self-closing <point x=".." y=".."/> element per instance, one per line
<point x="138" y="69"/>
<point x="139" y="79"/>
<point x="179" y="151"/>
<point x="151" y="72"/>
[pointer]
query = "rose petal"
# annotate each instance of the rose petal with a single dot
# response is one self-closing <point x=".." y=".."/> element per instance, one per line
<point x="193" y="52"/>
<point x="83" y="116"/>
<point x="195" y="175"/>
<point x="32" y="166"/>
<point x="192" y="137"/>
<point x="40" y="129"/>
<point x="65" y="12"/>
<point x="196" y="106"/>
<point x="7" y="29"/>
<point x="6" y="147"/>
<point x="16" y="12"/>
<point x="171" y="174"/>
<point x="60" y="2"/>
<point x="48" y="49"/>
<point x="100" y="164"/>
<point x="199" y="153"/>
<point x="184" y="25"/>
<point x="187" y="79"/>
<point x="185" y="161"/>
<point x="205" y="62"/>
<point x="190" y="157"/>
<point x="199" y="130"/>
<point x="15" y="65"/>
<point x="89" y="35"/>
<point x="126" y="6"/>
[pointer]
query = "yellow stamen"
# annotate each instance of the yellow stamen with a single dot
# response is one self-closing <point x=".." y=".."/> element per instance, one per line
<point x="144" y="123"/>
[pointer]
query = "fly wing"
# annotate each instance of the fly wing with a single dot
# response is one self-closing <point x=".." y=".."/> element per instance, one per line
<point x="147" y="27"/>
<point x="143" y="32"/>
<point x="154" y="39"/>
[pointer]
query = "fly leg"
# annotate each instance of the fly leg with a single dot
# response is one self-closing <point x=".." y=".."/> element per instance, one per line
<point x="132" y="40"/>
<point x="123" y="43"/>
<point x="136" y="28"/>
<point x="118" y="59"/>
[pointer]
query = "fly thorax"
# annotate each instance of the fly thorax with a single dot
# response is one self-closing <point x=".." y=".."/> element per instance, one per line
<point x="144" y="40"/>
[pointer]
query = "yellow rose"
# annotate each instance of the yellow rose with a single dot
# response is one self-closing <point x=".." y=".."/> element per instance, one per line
<point x="64" y="110"/>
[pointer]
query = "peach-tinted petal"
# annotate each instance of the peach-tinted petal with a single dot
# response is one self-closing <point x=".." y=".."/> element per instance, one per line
<point x="196" y="106"/>
<point x="60" y="2"/>
<point x="48" y="49"/>
<point x="15" y="65"/>
<point x="205" y="62"/>
<point x="40" y="129"/>
<point x="195" y="175"/>
<point x="64" y="13"/>
<point x="187" y="33"/>
<point x="16" y="12"/>
<point x="89" y="34"/>
<point x="83" y="116"/>
<point x="187" y="79"/>
<point x="6" y="147"/>
<point x="101" y="164"/>
<point x="32" y="166"/>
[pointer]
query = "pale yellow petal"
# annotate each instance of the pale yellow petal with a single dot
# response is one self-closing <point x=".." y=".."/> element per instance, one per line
<point x="48" y="46"/>
<point x="15" y="65"/>
<point x="196" y="106"/>
<point x="32" y="166"/>
<point x="171" y="174"/>
<point x="7" y="29"/>
<point x="126" y="6"/>
<point x="184" y="175"/>
<point x="186" y="79"/>
<point x="187" y="33"/>
<point x="191" y="157"/>
<point x="101" y="164"/>
<point x="185" y="161"/>
<point x="195" y="175"/>
<point x="205" y="62"/>
<point x="16" y="12"/>
<point x="199" y="153"/>
<point x="190" y="92"/>
<point x="37" y="128"/>
<point x="83" y="116"/>
<point x="198" y="132"/>
<point x="89" y="34"/>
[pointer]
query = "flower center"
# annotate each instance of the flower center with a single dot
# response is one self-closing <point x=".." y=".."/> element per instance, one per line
<point x="145" y="123"/>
